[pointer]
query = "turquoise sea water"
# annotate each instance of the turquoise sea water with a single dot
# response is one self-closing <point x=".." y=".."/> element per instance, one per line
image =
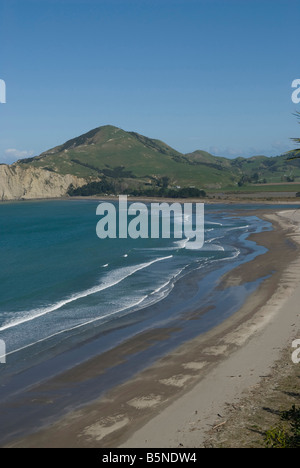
<point x="66" y="295"/>
<point x="58" y="278"/>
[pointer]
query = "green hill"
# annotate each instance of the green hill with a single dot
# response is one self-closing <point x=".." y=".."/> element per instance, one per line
<point x="114" y="154"/>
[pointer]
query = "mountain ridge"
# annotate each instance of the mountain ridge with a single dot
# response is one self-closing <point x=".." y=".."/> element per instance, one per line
<point x="133" y="161"/>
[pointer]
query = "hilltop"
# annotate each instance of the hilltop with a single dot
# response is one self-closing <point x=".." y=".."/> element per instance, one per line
<point x="112" y="152"/>
<point x="136" y="163"/>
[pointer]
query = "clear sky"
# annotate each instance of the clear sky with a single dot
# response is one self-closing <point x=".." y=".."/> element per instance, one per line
<point x="197" y="74"/>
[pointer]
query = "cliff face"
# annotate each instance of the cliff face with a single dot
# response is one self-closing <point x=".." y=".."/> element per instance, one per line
<point x="28" y="183"/>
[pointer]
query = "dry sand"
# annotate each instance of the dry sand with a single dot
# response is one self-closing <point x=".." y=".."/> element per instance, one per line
<point x="260" y="340"/>
<point x="176" y="401"/>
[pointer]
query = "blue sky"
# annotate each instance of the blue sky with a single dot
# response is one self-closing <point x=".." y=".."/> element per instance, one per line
<point x="197" y="74"/>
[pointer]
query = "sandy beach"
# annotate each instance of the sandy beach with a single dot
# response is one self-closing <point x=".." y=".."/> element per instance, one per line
<point x="259" y="342"/>
<point x="179" y="399"/>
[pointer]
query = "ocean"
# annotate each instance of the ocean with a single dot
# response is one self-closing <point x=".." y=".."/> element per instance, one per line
<point x="66" y="295"/>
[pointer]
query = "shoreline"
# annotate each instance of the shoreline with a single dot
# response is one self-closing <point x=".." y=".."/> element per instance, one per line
<point x="159" y="396"/>
<point x="262" y="343"/>
<point x="227" y="199"/>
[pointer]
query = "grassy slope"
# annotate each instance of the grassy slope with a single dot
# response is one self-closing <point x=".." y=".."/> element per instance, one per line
<point x="110" y="147"/>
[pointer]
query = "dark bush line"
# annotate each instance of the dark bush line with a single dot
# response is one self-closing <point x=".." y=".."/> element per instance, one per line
<point x="106" y="187"/>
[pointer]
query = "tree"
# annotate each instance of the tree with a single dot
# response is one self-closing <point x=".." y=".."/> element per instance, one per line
<point x="165" y="181"/>
<point x="296" y="152"/>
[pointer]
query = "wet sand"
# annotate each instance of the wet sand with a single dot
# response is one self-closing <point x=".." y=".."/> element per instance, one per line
<point x="176" y="400"/>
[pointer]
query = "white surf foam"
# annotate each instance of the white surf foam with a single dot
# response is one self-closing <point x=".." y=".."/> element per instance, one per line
<point x="113" y="279"/>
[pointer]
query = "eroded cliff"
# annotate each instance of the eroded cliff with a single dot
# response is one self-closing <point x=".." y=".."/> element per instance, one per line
<point x="18" y="183"/>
